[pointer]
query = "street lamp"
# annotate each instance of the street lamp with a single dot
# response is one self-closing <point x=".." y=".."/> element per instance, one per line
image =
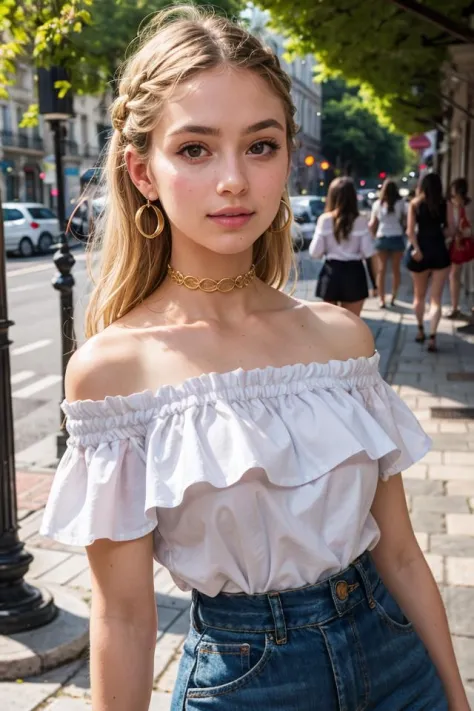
<point x="22" y="606"/>
<point x="56" y="110"/>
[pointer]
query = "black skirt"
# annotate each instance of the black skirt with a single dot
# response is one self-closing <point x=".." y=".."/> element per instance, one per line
<point x="342" y="281"/>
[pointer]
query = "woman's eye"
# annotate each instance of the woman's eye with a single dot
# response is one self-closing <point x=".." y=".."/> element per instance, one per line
<point x="192" y="151"/>
<point x="264" y="148"/>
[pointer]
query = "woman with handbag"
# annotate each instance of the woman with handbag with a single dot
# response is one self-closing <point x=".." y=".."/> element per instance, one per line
<point x="462" y="246"/>
<point x="429" y="226"/>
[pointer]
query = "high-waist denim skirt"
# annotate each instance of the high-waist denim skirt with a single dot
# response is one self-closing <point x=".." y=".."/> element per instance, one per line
<point x="340" y="645"/>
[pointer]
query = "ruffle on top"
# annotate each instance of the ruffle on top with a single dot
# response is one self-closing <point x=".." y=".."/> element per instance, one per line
<point x="128" y="457"/>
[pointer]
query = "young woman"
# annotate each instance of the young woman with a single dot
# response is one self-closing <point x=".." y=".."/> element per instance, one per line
<point x="429" y="226"/>
<point x="242" y="438"/>
<point x="463" y="220"/>
<point x="343" y="238"/>
<point x="387" y="224"/>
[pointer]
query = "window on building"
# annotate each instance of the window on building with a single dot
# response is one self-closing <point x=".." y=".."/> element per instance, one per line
<point x="84" y="131"/>
<point x="5" y="113"/>
<point x="103" y="133"/>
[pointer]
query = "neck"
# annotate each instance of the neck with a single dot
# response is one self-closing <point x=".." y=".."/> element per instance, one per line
<point x="195" y="261"/>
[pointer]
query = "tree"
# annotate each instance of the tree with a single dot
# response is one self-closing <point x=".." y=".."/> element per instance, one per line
<point x="395" y="56"/>
<point x="89" y="38"/>
<point x="352" y="136"/>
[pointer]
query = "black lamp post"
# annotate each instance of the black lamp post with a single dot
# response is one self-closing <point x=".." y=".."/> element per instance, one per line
<point x="56" y="110"/>
<point x="22" y="606"/>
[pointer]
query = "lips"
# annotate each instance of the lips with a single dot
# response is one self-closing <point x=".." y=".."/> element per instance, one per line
<point x="233" y="217"/>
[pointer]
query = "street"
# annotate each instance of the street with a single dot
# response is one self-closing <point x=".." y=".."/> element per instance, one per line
<point x="36" y="344"/>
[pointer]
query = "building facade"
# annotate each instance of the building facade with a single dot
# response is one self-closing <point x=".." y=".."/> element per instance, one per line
<point x="27" y="164"/>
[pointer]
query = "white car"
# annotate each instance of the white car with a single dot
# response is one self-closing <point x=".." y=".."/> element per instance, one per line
<point x="29" y="227"/>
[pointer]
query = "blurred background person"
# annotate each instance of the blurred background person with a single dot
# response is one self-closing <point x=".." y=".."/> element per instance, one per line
<point x="429" y="225"/>
<point x="387" y="224"/>
<point x="462" y="246"/>
<point x="342" y="237"/>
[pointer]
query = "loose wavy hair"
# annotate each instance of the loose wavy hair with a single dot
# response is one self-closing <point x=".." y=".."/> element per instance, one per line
<point x="177" y="44"/>
<point x="342" y="202"/>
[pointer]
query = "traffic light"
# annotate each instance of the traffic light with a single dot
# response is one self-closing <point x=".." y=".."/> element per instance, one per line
<point x="324" y="165"/>
<point x="309" y="161"/>
<point x="361" y="183"/>
<point x="382" y="175"/>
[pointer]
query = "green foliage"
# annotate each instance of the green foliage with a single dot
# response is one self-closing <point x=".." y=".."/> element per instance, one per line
<point x="89" y="38"/>
<point x="394" y="56"/>
<point x="351" y="135"/>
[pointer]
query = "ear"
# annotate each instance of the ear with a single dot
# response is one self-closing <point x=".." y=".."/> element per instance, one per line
<point x="138" y="172"/>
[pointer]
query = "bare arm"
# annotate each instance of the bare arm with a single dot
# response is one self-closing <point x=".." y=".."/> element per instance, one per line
<point x="406" y="574"/>
<point x="123" y="624"/>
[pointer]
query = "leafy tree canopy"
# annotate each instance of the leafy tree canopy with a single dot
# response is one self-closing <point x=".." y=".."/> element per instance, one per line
<point x="89" y="38"/>
<point x="393" y="55"/>
<point x="352" y="136"/>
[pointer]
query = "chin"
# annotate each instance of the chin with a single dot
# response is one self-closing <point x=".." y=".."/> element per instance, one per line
<point x="233" y="244"/>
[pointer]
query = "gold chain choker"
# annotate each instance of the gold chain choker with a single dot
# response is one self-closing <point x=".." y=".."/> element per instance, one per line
<point x="209" y="285"/>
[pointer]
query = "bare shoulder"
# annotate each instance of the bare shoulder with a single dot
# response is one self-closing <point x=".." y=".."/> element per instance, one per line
<point x="347" y="336"/>
<point x="107" y="364"/>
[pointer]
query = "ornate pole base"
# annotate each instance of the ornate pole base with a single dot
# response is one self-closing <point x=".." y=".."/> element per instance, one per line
<point x="22" y="606"/>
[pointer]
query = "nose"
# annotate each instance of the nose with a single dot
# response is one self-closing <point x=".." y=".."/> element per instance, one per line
<point x="233" y="178"/>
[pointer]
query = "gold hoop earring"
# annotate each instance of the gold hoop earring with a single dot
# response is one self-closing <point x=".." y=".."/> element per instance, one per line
<point x="288" y="222"/>
<point x="159" y="218"/>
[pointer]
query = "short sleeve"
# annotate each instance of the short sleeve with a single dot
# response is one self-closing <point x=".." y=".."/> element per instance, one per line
<point x="317" y="248"/>
<point x="375" y="213"/>
<point x="410" y="441"/>
<point x="367" y="245"/>
<point x="99" y="489"/>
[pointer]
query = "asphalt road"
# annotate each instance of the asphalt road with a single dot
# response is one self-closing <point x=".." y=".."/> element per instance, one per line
<point x="36" y="342"/>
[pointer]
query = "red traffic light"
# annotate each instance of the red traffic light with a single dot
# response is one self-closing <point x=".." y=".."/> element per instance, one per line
<point x="382" y="175"/>
<point x="362" y="183"/>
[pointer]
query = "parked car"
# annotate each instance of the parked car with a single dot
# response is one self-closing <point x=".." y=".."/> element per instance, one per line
<point x="306" y="210"/>
<point x="29" y="227"/>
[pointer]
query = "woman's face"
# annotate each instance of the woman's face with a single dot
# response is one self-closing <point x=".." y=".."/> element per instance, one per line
<point x="456" y="198"/>
<point x="220" y="159"/>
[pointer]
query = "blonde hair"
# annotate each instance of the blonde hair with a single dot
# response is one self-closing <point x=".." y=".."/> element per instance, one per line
<point x="177" y="44"/>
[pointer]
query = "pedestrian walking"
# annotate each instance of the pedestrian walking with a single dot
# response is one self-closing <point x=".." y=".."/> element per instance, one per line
<point x="243" y="438"/>
<point x="429" y="226"/>
<point x="342" y="237"/>
<point x="387" y="224"/>
<point x="462" y="245"/>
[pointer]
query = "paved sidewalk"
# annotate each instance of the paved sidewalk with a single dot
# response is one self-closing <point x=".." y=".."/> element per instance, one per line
<point x="440" y="493"/>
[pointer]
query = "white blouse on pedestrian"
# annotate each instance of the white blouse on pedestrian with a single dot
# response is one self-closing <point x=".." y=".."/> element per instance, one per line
<point x="390" y="224"/>
<point x="358" y="244"/>
<point x="251" y="481"/>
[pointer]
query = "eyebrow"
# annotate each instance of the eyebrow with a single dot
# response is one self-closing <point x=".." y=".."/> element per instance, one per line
<point x="210" y="131"/>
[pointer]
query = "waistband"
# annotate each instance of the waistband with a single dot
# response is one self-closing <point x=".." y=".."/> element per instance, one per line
<point x="276" y="612"/>
<point x="346" y="262"/>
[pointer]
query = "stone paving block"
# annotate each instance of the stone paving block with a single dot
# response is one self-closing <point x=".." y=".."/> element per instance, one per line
<point x="454" y="546"/>
<point x="459" y="604"/>
<point x="431" y="427"/>
<point x="67" y="570"/>
<point x="30" y="525"/>
<point x="450" y="472"/>
<point x="454" y="427"/>
<point x="63" y="703"/>
<point x="421" y="487"/>
<point x="417" y="471"/>
<point x="463" y="459"/>
<point x="428" y="521"/>
<point x="168" y="679"/>
<point x="441" y="504"/>
<point x="423" y="541"/>
<point x="160" y="701"/>
<point x="166" y="617"/>
<point x="460" y="524"/>
<point x="164" y="583"/>
<point x="82" y="581"/>
<point x="464" y="648"/>
<point x="44" y="561"/>
<point x="29" y="693"/>
<point x="460" y="488"/>
<point x="169" y="643"/>
<point x="79" y="685"/>
<point x="432" y="458"/>
<point x="460" y="571"/>
<point x="436" y="563"/>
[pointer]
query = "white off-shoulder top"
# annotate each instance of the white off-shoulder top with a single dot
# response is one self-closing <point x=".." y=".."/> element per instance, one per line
<point x="251" y="481"/>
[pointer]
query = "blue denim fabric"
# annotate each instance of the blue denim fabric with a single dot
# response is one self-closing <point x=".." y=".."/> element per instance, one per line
<point x="341" y="645"/>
